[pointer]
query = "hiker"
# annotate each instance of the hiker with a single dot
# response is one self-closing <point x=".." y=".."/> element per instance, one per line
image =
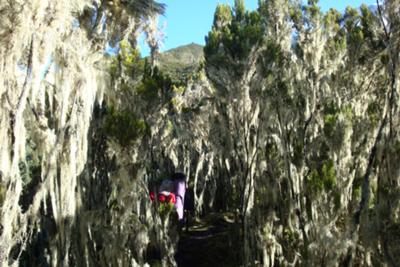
<point x="173" y="191"/>
<point x="180" y="190"/>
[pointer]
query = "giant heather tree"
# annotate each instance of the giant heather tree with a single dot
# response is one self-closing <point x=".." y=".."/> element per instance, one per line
<point x="303" y="101"/>
<point x="52" y="53"/>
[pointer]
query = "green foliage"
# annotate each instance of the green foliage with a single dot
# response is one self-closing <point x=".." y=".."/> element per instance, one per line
<point x="330" y="122"/>
<point x="240" y="9"/>
<point x="351" y="14"/>
<point x="362" y="36"/>
<point x="357" y="192"/>
<point x="373" y="112"/>
<point x="355" y="35"/>
<point x="113" y="67"/>
<point x="165" y="208"/>
<point x="330" y="119"/>
<point x="273" y="55"/>
<point x="2" y="193"/>
<point x="148" y="89"/>
<point x="329" y="175"/>
<point x="296" y="16"/>
<point x="124" y="126"/>
<point x="128" y="60"/>
<point x="347" y="112"/>
<point x="312" y="11"/>
<point x="336" y="199"/>
<point x="322" y="179"/>
<point x="333" y="19"/>
<point x="336" y="123"/>
<point x="222" y="15"/>
<point x="315" y="182"/>
<point x="178" y="89"/>
<point x="174" y="102"/>
<point x="155" y="87"/>
<point x="367" y="21"/>
<point x="385" y="58"/>
<point x="236" y="38"/>
<point x="357" y="183"/>
<point x="333" y="27"/>
<point x="335" y="45"/>
<point x="244" y="34"/>
<point x="130" y="57"/>
<point x="212" y="41"/>
<point x="290" y="237"/>
<point x="331" y="108"/>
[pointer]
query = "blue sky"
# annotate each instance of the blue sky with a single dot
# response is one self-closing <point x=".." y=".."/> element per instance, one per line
<point x="188" y="21"/>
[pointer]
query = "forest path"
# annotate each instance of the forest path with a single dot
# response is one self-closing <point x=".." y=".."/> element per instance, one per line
<point x="209" y="241"/>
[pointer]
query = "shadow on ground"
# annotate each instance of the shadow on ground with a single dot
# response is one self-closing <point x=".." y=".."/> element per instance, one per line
<point x="210" y="241"/>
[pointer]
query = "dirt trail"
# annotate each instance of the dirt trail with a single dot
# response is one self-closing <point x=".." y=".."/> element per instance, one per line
<point x="209" y="242"/>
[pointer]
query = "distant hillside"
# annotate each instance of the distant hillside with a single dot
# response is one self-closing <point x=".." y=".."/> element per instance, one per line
<point x="181" y="61"/>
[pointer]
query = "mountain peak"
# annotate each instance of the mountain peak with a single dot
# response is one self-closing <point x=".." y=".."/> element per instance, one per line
<point x="180" y="61"/>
